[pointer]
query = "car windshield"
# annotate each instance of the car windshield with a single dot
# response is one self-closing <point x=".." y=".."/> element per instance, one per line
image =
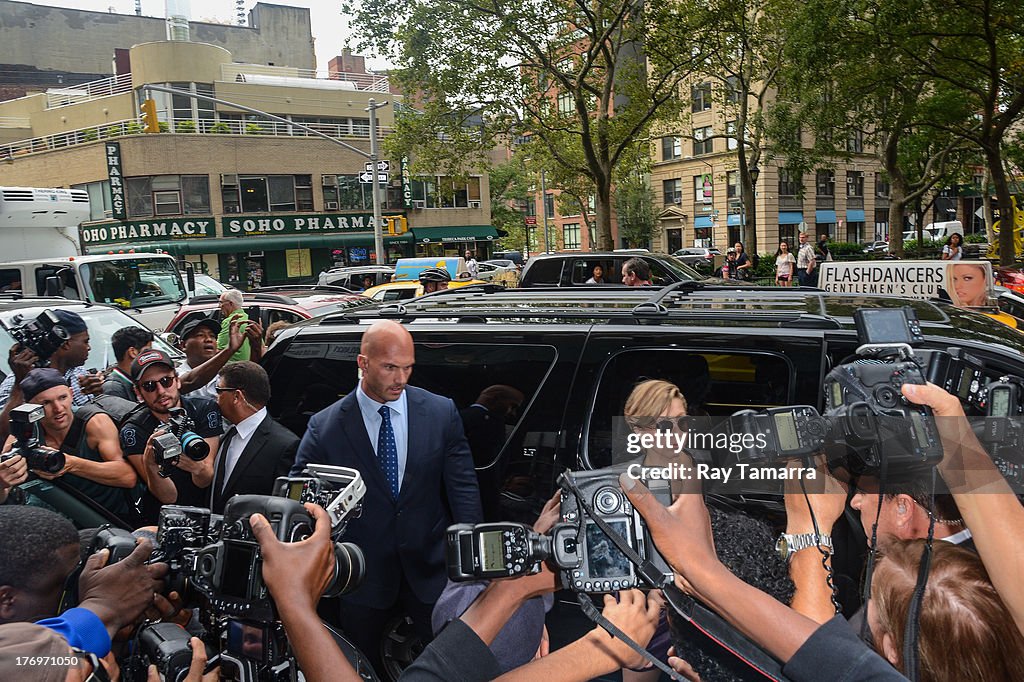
<point x="206" y="285"/>
<point x="102" y="323"/>
<point x="134" y="282"/>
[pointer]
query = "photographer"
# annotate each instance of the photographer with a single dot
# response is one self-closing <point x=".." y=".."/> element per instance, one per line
<point x="39" y="551"/>
<point x="94" y="465"/>
<point x="157" y="385"/>
<point x="69" y="359"/>
<point x="297" y="574"/>
<point x="127" y="343"/>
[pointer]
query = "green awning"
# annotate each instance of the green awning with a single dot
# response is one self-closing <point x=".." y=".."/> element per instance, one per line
<point x="184" y="247"/>
<point x="454" y="233"/>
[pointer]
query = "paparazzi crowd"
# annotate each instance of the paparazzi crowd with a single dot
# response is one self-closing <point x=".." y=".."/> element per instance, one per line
<point x="197" y="434"/>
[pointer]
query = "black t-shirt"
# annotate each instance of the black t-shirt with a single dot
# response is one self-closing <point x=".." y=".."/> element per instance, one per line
<point x="206" y="420"/>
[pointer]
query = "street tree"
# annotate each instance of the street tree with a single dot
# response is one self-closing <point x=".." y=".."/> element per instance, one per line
<point x="583" y="78"/>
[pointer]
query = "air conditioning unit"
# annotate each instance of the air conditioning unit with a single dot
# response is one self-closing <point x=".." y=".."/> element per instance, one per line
<point x="419" y="203"/>
<point x="228" y="180"/>
<point x="330" y="205"/>
<point x="328" y="180"/>
<point x="474" y="204"/>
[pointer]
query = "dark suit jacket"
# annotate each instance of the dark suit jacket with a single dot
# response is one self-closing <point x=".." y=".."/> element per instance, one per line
<point x="407" y="535"/>
<point x="268" y="454"/>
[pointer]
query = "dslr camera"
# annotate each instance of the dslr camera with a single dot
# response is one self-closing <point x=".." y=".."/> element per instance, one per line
<point x="1002" y="429"/>
<point x="28" y="440"/>
<point x="43" y="335"/>
<point x="178" y="439"/>
<point x="339" y="490"/>
<point x="228" y="573"/>
<point x="864" y="400"/>
<point x="589" y="560"/>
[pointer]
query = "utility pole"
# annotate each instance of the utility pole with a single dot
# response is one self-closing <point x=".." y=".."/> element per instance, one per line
<point x="378" y="228"/>
<point x="544" y="209"/>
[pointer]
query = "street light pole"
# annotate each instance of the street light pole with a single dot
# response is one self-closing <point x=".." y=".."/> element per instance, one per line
<point x="544" y="209"/>
<point x="378" y="228"/>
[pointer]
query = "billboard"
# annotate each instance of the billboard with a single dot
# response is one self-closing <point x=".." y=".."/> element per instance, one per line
<point x="966" y="283"/>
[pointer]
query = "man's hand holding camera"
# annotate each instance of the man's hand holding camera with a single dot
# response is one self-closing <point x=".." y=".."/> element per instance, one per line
<point x="121" y="592"/>
<point x="22" y="360"/>
<point x="296" y="573"/>
<point x="161" y="487"/>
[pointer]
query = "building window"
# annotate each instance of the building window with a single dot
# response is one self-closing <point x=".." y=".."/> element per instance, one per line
<point x="789" y="183"/>
<point x="703" y="189"/>
<point x="855" y="142"/>
<point x="732" y="89"/>
<point x="440" y="191"/>
<point x="881" y="186"/>
<point x="854" y="184"/>
<point x="165" y="195"/>
<point x="732" y="143"/>
<point x="99" y="198"/>
<point x="671" y="148"/>
<point x="673" y="191"/>
<point x="732" y="187"/>
<point x="549" y="205"/>
<point x="787" y="233"/>
<point x="702" y="142"/>
<point x="566" y="104"/>
<point x="701" y="95"/>
<point x="826" y="183"/>
<point x="268" y="194"/>
<point x="571" y="236"/>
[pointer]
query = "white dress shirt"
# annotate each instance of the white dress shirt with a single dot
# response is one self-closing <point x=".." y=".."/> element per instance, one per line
<point x="207" y="391"/>
<point x="399" y="424"/>
<point x="243" y="434"/>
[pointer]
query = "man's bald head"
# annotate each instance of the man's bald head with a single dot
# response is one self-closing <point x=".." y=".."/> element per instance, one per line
<point x="386" y="357"/>
<point x="384" y="334"/>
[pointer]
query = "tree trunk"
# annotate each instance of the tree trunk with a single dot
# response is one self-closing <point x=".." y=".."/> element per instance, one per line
<point x="986" y="204"/>
<point x="897" y="200"/>
<point x="1003" y="196"/>
<point x="603" y="217"/>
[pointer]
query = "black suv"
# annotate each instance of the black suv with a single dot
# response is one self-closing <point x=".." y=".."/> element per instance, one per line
<point x="574" y="269"/>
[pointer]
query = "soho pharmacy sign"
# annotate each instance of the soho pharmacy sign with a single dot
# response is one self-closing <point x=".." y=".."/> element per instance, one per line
<point x="291" y="224"/>
<point x="148" y="231"/>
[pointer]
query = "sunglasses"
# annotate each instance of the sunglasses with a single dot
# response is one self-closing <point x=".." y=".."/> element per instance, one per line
<point x="150" y="386"/>
<point x="663" y="424"/>
<point x="221" y="389"/>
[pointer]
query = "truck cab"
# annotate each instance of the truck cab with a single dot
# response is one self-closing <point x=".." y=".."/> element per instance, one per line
<point x="146" y="285"/>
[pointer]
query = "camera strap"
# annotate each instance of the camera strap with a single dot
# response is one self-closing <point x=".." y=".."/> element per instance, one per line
<point x="702" y="618"/>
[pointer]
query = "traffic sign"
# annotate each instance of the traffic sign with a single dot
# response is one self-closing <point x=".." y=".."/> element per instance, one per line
<point x="531" y="220"/>
<point x="382" y="166"/>
<point x="366" y="177"/>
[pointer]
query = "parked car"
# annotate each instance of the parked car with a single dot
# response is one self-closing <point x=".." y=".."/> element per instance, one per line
<point x="571" y="269"/>
<point x="400" y="291"/>
<point x="272" y="304"/>
<point x="876" y="247"/>
<point x="352" y="277"/>
<point x="514" y="256"/>
<point x="205" y="285"/>
<point x="102" y="321"/>
<point x="701" y="258"/>
<point x="1011" y="277"/>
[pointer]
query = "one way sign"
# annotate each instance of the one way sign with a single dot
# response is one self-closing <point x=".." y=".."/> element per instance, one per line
<point x="382" y="166"/>
<point x="366" y="177"/>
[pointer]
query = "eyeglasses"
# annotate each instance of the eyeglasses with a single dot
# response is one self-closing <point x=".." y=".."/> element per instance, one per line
<point x="221" y="389"/>
<point x="150" y="386"/>
<point x="662" y="424"/>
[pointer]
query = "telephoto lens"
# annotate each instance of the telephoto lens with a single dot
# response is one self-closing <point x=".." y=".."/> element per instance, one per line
<point x="194" y="447"/>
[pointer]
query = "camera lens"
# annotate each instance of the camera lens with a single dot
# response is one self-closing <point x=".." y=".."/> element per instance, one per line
<point x="607" y="500"/>
<point x="349" y="569"/>
<point x="194" y="446"/>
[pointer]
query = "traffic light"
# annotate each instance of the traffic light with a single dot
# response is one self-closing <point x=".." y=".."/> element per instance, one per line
<point x="149" y="122"/>
<point x="395" y="225"/>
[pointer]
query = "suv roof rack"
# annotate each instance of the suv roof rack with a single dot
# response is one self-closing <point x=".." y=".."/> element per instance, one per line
<point x="247" y="298"/>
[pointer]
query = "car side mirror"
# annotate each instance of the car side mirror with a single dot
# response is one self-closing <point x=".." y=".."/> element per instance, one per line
<point x="170" y="338"/>
<point x="53" y="286"/>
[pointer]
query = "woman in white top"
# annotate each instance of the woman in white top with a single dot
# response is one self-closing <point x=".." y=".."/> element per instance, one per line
<point x="784" y="264"/>
<point x="954" y="248"/>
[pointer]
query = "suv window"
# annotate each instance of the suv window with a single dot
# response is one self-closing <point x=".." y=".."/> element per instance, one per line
<point x="582" y="270"/>
<point x="714" y="384"/>
<point x="10" y="280"/>
<point x="312" y="375"/>
<point x="546" y="271"/>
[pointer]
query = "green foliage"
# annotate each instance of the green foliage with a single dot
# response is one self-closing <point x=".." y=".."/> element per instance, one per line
<point x="508" y="187"/>
<point x="133" y="128"/>
<point x="570" y="75"/>
<point x="765" y="266"/>
<point x="845" y="249"/>
<point x="220" y="128"/>
<point x="976" y="238"/>
<point x="185" y="127"/>
<point x="89" y="136"/>
<point x="164" y="127"/>
<point x="253" y="129"/>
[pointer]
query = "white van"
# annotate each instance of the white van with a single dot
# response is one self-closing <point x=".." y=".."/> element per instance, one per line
<point x="936" y="231"/>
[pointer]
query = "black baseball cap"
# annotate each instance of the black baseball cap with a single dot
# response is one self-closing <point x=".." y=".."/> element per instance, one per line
<point x="212" y="325"/>
<point x="147" y="359"/>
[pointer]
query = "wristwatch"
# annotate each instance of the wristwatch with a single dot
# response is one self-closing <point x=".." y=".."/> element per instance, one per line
<point x="788" y="545"/>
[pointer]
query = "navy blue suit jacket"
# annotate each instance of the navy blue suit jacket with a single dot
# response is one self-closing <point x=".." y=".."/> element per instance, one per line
<point x="407" y="535"/>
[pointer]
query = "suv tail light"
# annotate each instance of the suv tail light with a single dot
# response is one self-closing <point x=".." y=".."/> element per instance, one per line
<point x="1011" y="279"/>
